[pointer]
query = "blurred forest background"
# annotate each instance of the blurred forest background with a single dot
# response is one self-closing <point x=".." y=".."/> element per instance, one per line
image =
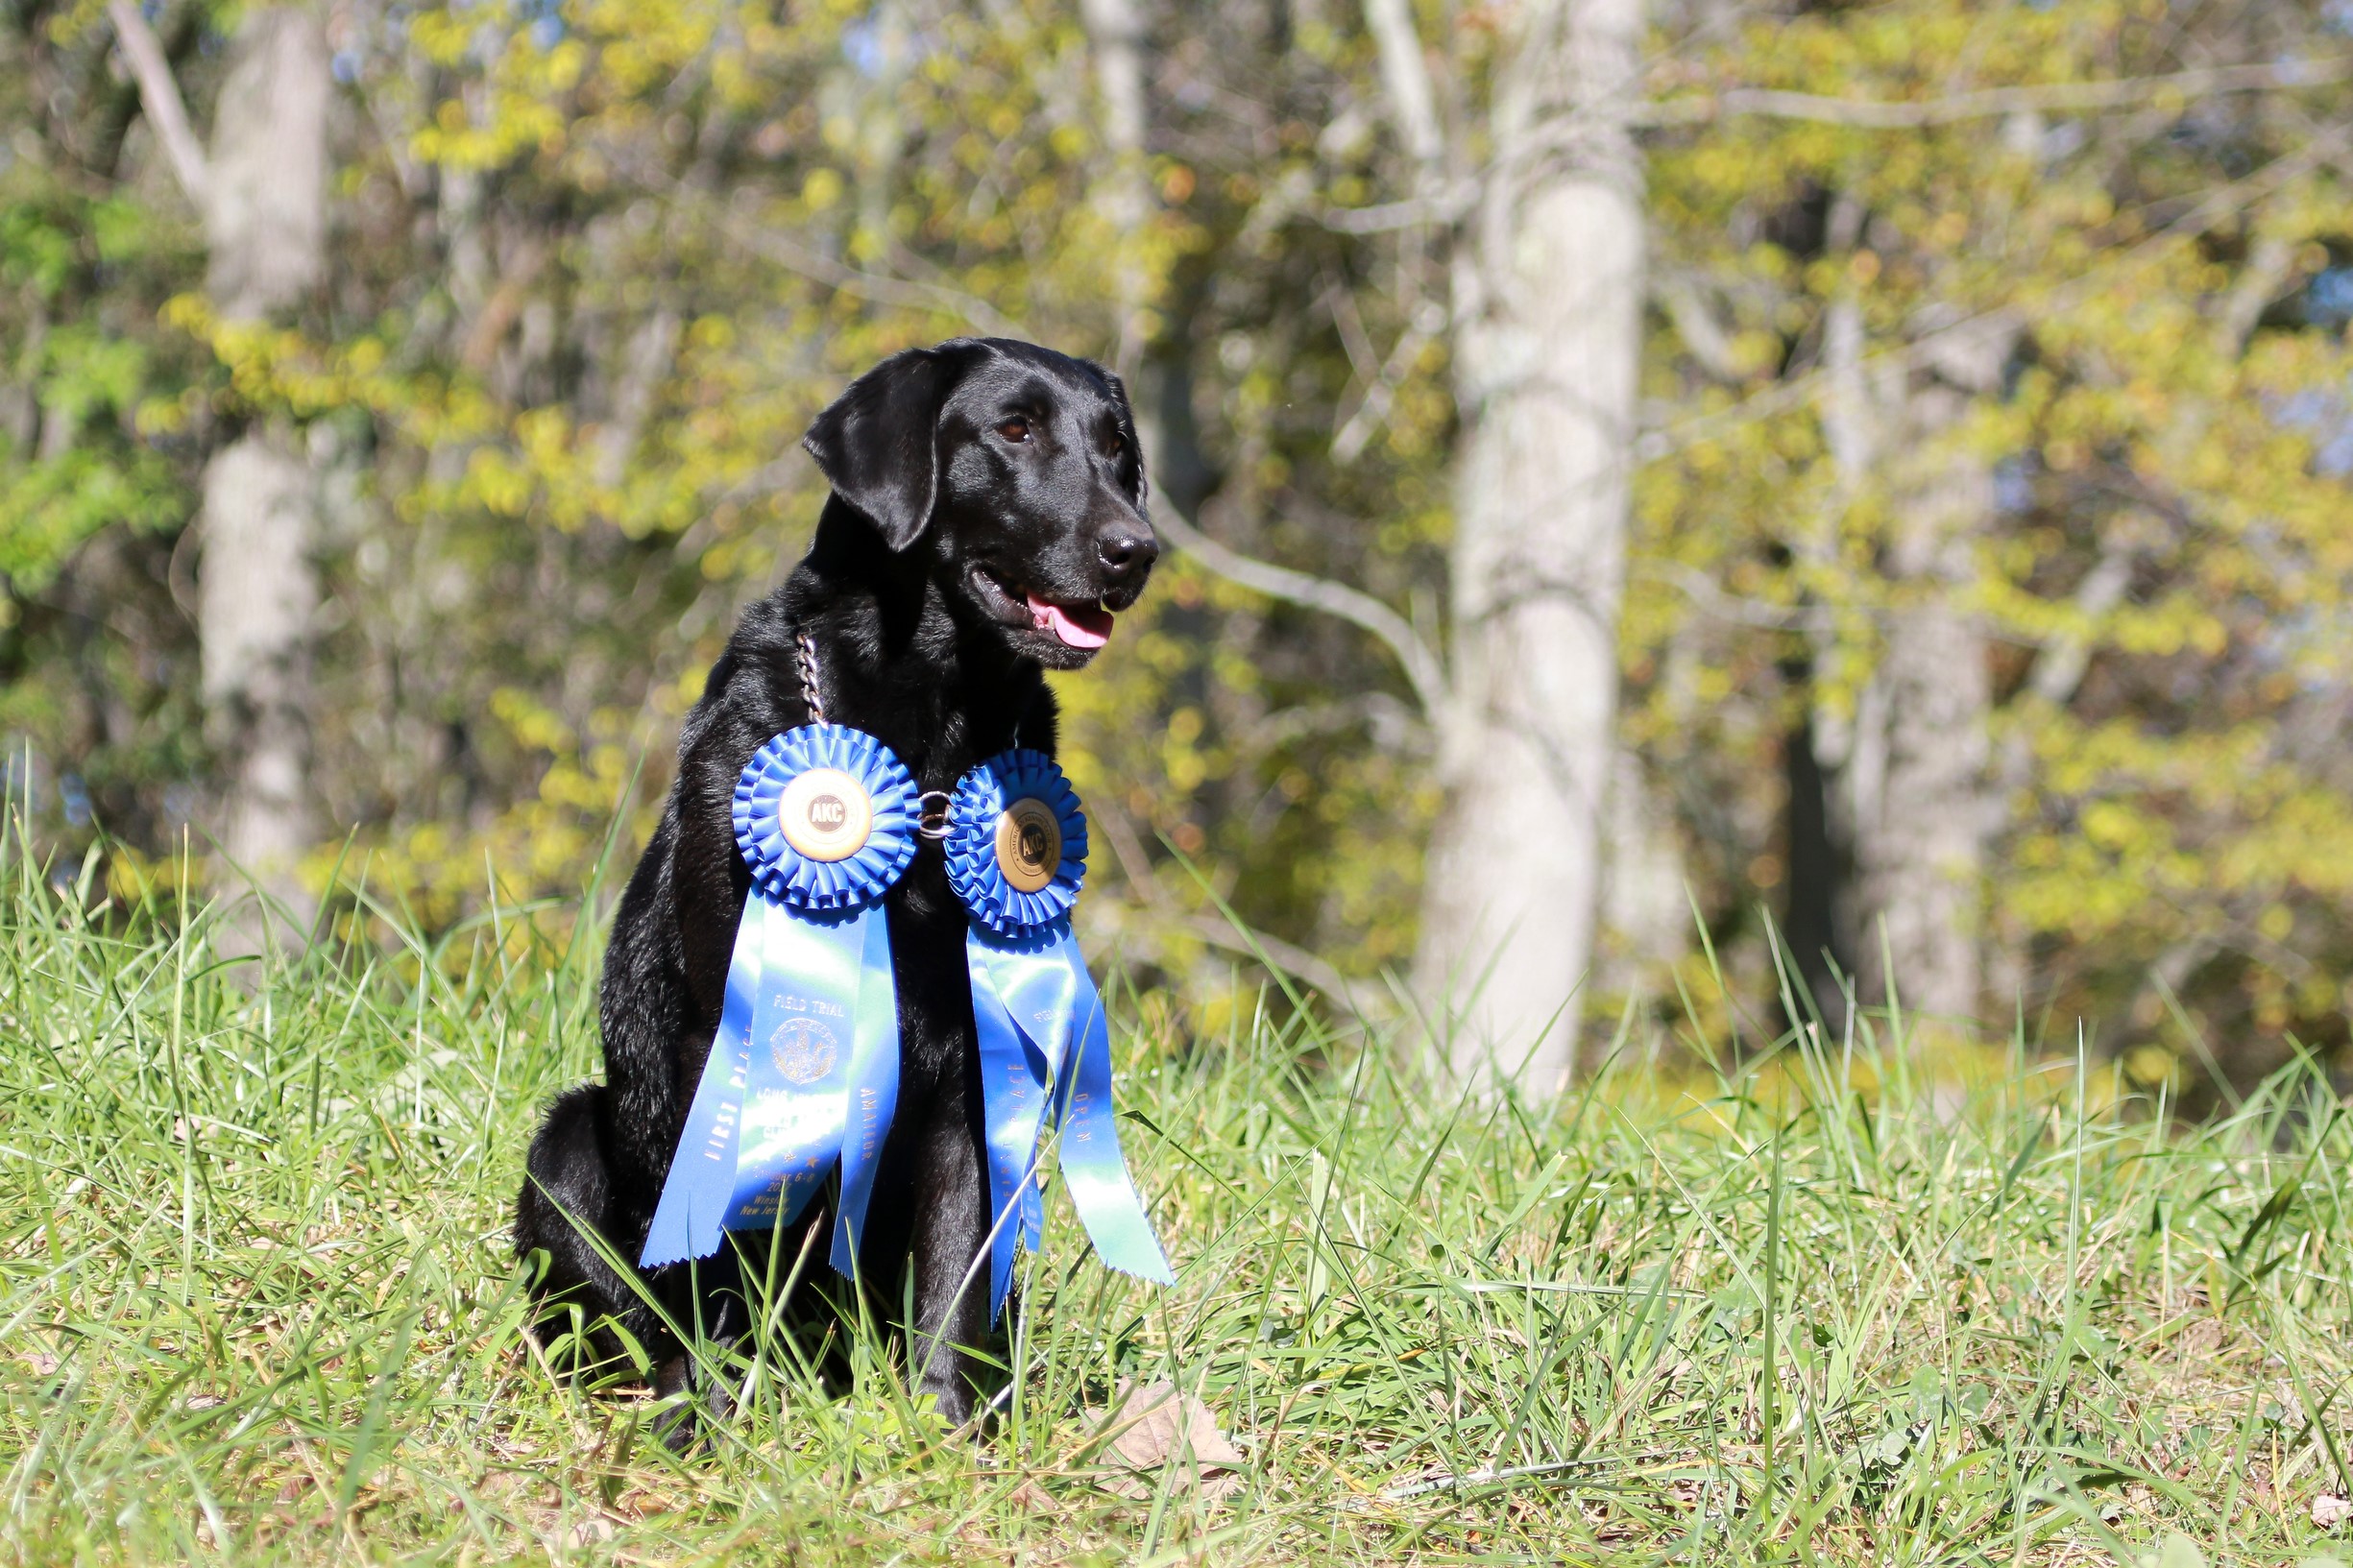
<point x="1876" y="472"/>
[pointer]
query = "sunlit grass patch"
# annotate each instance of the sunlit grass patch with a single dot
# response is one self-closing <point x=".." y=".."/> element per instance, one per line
<point x="256" y="1301"/>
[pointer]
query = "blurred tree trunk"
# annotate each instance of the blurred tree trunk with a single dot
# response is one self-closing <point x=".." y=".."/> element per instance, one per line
<point x="881" y="131"/>
<point x="1818" y="870"/>
<point x="1645" y="909"/>
<point x="1907" y="776"/>
<point x="265" y="220"/>
<point x="1115" y="34"/>
<point x="1916" y="777"/>
<point x="1547" y="317"/>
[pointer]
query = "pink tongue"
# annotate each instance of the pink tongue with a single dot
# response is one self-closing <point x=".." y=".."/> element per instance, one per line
<point x="1077" y="626"/>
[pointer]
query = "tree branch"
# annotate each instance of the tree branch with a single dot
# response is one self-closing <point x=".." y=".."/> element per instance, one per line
<point x="1993" y="103"/>
<point x="2267" y="272"/>
<point x="1421" y="667"/>
<point x="1405" y="80"/>
<point x="1702" y="335"/>
<point x="160" y="97"/>
<point x="1364" y="420"/>
<point x="1442" y="205"/>
<point x="645" y="364"/>
<point x="794" y="256"/>
<point x="1275" y="952"/>
<point x="1216" y="929"/>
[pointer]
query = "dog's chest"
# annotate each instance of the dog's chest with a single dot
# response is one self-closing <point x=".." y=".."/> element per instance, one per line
<point x="938" y="732"/>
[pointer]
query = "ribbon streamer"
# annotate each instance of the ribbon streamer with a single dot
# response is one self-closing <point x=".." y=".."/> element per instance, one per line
<point x="804" y="1068"/>
<point x="1045" y="1042"/>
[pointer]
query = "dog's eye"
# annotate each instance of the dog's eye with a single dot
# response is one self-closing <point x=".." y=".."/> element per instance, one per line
<point x="1114" y="446"/>
<point x="1014" y="429"/>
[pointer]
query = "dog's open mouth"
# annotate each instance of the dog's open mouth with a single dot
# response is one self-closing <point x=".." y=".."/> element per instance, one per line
<point x="1082" y="624"/>
<point x="1073" y="625"/>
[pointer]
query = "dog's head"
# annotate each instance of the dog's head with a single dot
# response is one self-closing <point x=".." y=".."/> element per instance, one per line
<point x="1014" y="472"/>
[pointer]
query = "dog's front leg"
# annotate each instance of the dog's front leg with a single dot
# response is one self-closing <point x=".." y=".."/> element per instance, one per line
<point x="951" y="1232"/>
<point x="707" y="1297"/>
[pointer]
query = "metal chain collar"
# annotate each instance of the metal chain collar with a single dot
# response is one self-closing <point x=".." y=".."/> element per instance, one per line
<point x="932" y="806"/>
<point x="808" y="662"/>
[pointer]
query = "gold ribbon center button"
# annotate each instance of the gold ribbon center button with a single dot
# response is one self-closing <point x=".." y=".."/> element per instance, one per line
<point x="1029" y="844"/>
<point x="825" y="814"/>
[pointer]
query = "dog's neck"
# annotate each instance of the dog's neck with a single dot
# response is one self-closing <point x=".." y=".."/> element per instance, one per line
<point x="897" y="660"/>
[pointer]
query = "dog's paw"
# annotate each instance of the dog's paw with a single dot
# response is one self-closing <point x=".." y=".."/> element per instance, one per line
<point x="673" y="1389"/>
<point x="691" y="1404"/>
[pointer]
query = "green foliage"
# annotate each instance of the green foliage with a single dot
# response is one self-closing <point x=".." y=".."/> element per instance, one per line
<point x="596" y="264"/>
<point x="259" y="1303"/>
<point x="2167" y="412"/>
<point x="96" y="666"/>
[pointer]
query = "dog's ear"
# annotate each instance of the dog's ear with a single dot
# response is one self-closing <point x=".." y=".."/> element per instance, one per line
<point x="878" y="446"/>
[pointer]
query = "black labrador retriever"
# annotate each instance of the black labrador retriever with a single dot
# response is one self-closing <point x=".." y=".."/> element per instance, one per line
<point x="987" y="517"/>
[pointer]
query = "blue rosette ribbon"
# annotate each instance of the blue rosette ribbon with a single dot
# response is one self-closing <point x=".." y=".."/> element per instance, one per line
<point x="1016" y="852"/>
<point x="804" y="1070"/>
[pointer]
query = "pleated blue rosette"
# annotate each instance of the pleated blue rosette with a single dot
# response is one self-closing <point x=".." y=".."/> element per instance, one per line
<point x="1044" y="1044"/>
<point x="804" y="1070"/>
<point x="825" y="886"/>
<point x="982" y="797"/>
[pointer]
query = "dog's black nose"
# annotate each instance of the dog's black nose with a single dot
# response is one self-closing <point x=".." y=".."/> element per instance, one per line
<point x="1127" y="556"/>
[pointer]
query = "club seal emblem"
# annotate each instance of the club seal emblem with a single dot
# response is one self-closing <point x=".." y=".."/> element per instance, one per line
<point x="803" y="1048"/>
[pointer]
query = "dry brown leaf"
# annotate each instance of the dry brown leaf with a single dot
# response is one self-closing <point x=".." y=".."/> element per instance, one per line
<point x="1156" y="1425"/>
<point x="1031" y="1496"/>
<point x="1160" y="1426"/>
<point x="640" y="1504"/>
<point x="590" y="1532"/>
<point x="2328" y="1511"/>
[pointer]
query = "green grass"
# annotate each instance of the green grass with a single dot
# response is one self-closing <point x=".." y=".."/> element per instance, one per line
<point x="256" y="1301"/>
